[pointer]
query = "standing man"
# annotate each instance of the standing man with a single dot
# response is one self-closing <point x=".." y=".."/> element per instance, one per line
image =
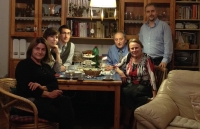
<point x="66" y="48"/>
<point x="117" y="51"/>
<point x="156" y="37"/>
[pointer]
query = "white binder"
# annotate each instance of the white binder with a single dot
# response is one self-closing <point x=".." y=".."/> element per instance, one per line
<point x="22" y="48"/>
<point x="16" y="48"/>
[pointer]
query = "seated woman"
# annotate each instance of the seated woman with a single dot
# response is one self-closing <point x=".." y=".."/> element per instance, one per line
<point x="139" y="82"/>
<point x="51" y="35"/>
<point x="35" y="79"/>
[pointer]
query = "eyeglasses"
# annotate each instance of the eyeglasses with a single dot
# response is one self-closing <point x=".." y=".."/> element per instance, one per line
<point x="66" y="33"/>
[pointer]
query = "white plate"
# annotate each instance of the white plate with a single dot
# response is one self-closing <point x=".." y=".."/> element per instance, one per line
<point x="90" y="56"/>
<point x="105" y="73"/>
<point x="74" y="72"/>
<point x="56" y="8"/>
<point x="46" y="8"/>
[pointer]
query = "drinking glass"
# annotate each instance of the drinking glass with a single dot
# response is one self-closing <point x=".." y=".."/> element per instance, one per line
<point x="71" y="70"/>
<point x="112" y="72"/>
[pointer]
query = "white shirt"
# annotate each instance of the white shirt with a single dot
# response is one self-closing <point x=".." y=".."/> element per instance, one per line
<point x="71" y="54"/>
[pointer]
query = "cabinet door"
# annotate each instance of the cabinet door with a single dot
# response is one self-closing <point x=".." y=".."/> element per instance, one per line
<point x="24" y="17"/>
<point x="51" y="13"/>
<point x="13" y="65"/>
<point x="132" y="17"/>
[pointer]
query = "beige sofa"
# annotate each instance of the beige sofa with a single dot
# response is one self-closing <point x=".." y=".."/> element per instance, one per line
<point x="172" y="108"/>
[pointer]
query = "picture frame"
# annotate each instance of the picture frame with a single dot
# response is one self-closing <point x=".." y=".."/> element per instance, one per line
<point x="96" y="12"/>
<point x="110" y="14"/>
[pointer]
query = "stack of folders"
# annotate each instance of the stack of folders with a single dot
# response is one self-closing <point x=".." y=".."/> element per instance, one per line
<point x="19" y="48"/>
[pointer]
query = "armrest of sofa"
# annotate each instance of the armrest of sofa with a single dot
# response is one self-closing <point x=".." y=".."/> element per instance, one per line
<point x="158" y="113"/>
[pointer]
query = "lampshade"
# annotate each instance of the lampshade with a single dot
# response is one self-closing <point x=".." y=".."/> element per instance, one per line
<point x="103" y="3"/>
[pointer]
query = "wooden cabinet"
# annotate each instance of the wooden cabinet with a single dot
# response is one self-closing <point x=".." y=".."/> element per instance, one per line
<point x="29" y="19"/>
<point x="133" y="14"/>
<point x="132" y="17"/>
<point x="187" y="35"/>
<point x="12" y="67"/>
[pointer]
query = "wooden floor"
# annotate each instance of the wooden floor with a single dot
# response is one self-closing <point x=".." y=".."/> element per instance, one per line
<point x="88" y="115"/>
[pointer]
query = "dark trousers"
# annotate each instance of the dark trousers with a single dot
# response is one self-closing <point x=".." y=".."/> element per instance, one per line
<point x="56" y="110"/>
<point x="135" y="95"/>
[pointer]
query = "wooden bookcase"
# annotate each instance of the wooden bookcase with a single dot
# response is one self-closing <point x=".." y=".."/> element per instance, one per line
<point x="29" y="19"/>
<point x="187" y="35"/>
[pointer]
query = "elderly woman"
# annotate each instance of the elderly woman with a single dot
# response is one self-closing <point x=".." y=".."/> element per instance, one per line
<point x="36" y="80"/>
<point x="138" y="80"/>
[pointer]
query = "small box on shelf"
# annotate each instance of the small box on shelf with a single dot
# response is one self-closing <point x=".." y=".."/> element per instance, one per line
<point x="182" y="45"/>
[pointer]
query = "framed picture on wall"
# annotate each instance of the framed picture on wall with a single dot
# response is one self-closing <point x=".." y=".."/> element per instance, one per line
<point x="110" y="14"/>
<point x="96" y="12"/>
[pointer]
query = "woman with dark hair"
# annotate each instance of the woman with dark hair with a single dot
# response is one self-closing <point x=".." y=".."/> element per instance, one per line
<point x="139" y="82"/>
<point x="51" y="35"/>
<point x="35" y="79"/>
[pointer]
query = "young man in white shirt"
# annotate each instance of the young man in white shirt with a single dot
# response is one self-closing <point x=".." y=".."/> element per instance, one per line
<point x="66" y="48"/>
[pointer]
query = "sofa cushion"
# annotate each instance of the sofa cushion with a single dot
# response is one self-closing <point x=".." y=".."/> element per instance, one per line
<point x="195" y="102"/>
<point x="185" y="123"/>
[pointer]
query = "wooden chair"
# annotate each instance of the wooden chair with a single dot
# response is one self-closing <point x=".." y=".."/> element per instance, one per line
<point x="9" y="100"/>
<point x="161" y="75"/>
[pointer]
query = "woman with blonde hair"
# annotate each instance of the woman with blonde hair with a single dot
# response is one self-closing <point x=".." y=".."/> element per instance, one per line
<point x="139" y="82"/>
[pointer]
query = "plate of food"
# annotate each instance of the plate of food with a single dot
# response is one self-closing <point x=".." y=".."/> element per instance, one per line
<point x="88" y="56"/>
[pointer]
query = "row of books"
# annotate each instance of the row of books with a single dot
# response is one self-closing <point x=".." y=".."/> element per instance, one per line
<point x="188" y="12"/>
<point x="19" y="48"/>
<point x="84" y="29"/>
<point x="188" y="37"/>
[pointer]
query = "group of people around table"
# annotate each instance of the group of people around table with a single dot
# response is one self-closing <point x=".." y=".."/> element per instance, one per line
<point x="133" y="60"/>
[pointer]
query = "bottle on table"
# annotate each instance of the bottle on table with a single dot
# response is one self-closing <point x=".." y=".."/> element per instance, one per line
<point x="95" y="52"/>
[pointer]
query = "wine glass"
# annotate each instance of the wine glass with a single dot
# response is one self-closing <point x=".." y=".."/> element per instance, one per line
<point x="71" y="70"/>
<point x="112" y="73"/>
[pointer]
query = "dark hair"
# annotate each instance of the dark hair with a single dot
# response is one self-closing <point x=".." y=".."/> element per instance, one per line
<point x="136" y="41"/>
<point x="120" y="32"/>
<point x="50" y="31"/>
<point x="150" y="4"/>
<point x="34" y="43"/>
<point x="63" y="27"/>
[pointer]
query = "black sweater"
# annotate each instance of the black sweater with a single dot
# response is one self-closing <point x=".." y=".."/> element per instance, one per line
<point x="28" y="71"/>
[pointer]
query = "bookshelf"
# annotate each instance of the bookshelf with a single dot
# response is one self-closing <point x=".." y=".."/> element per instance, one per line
<point x="85" y="27"/>
<point x="187" y="33"/>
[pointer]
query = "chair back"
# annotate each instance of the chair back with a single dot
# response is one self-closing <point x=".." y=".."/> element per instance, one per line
<point x="8" y="100"/>
<point x="161" y="75"/>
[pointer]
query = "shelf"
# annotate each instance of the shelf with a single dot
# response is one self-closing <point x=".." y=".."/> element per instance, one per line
<point x="134" y="21"/>
<point x="187" y="49"/>
<point x="92" y="38"/>
<point x="189" y="29"/>
<point x="51" y="18"/>
<point x="24" y="18"/>
<point x="88" y="18"/>
<point x="187" y="19"/>
<point x="186" y="2"/>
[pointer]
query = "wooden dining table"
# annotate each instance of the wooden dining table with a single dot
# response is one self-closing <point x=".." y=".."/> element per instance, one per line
<point x="97" y="84"/>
